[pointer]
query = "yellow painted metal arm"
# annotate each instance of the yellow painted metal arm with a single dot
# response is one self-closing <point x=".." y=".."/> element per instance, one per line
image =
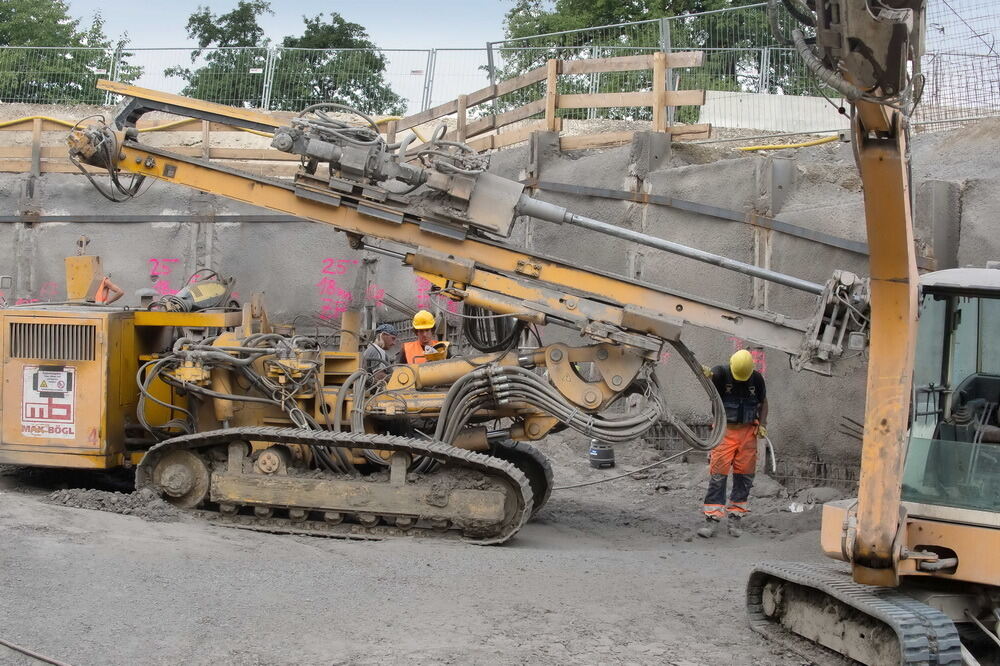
<point x="882" y="160"/>
<point x="185" y="105"/>
<point x="561" y="290"/>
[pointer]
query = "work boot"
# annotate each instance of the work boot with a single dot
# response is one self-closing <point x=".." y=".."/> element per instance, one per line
<point x="708" y="531"/>
<point x="733" y="526"/>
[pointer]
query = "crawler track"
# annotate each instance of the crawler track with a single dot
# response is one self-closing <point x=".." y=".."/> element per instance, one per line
<point x="925" y="635"/>
<point x="517" y="504"/>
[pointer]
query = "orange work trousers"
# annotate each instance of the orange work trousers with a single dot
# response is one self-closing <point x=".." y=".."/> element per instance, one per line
<point x="736" y="453"/>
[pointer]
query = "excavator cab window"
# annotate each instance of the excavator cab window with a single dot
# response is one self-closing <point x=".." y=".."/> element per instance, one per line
<point x="953" y="457"/>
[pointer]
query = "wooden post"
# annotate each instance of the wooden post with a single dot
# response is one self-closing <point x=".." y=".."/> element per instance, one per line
<point x="551" y="96"/>
<point x="206" y="139"/>
<point x="660" y="92"/>
<point x="461" y="117"/>
<point x="390" y="132"/>
<point x="36" y="147"/>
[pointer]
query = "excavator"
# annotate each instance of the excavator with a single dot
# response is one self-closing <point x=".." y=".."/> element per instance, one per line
<point x="254" y="424"/>
<point x="923" y="535"/>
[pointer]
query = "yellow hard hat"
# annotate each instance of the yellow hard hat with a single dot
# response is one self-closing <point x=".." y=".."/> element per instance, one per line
<point x="423" y="320"/>
<point x="741" y="365"/>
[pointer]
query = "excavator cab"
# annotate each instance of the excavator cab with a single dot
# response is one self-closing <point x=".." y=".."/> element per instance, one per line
<point x="952" y="468"/>
<point x="945" y="608"/>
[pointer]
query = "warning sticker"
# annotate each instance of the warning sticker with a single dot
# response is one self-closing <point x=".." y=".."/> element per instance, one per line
<point x="48" y="402"/>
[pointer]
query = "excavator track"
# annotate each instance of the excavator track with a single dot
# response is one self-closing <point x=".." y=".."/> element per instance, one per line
<point x="430" y="513"/>
<point x="792" y="603"/>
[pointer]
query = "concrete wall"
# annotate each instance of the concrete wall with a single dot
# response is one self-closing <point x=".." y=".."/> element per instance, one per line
<point x="305" y="269"/>
<point x="764" y="112"/>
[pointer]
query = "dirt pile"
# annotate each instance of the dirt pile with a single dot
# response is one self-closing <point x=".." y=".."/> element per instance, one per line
<point x="144" y="503"/>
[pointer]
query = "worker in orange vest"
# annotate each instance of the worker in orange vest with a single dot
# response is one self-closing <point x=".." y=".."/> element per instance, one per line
<point x="417" y="350"/>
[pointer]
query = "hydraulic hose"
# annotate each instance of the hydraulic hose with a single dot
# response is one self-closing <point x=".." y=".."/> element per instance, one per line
<point x="718" y="409"/>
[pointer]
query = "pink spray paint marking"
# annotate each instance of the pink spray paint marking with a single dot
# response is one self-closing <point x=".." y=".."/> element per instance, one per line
<point x="337" y="266"/>
<point x="161" y="265"/>
<point x="333" y="299"/>
<point x="423" y="286"/>
<point x="163" y="288"/>
<point x="49" y="290"/>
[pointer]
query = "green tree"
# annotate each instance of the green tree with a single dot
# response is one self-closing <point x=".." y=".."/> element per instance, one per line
<point x="235" y="54"/>
<point x="333" y="61"/>
<point x="732" y="41"/>
<point x="50" y="59"/>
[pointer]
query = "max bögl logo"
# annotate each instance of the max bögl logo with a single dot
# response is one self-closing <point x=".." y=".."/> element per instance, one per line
<point x="47" y="402"/>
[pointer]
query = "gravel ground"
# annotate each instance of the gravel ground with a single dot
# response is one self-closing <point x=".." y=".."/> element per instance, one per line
<point x="608" y="574"/>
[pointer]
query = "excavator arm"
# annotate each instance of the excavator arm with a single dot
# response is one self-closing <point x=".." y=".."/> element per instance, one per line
<point x="869" y="51"/>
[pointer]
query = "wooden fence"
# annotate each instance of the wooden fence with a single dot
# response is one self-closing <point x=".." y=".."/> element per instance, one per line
<point x="484" y="132"/>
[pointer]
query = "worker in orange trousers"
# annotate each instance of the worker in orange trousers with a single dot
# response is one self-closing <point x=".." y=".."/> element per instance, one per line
<point x="744" y="395"/>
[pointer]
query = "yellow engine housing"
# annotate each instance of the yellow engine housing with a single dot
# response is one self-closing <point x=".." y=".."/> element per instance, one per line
<point x="68" y="382"/>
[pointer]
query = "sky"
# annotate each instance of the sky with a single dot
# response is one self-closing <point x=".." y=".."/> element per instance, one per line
<point x="397" y="24"/>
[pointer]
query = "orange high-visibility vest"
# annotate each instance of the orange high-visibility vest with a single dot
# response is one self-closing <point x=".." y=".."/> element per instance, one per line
<point x="413" y="351"/>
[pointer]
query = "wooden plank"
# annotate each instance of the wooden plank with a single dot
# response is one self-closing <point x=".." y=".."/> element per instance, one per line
<point x="551" y="94"/>
<point x="605" y="100"/>
<point x="685" y="59"/>
<point x="426" y="116"/>
<point x="18" y="151"/>
<point x="390" y="131"/>
<point x="605" y="140"/>
<point x="510" y="85"/>
<point x="522" y="133"/>
<point x="460" y="117"/>
<point x="482" y="143"/>
<point x="523" y="81"/>
<point x="206" y="142"/>
<point x="689" y="132"/>
<point x="685" y="97"/>
<point x="23" y="166"/>
<point x="618" y="64"/>
<point x="501" y="120"/>
<point x="660" y="92"/>
<point x="36" y="147"/>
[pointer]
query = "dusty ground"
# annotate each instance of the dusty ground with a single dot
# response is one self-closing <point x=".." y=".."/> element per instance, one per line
<point x="608" y="574"/>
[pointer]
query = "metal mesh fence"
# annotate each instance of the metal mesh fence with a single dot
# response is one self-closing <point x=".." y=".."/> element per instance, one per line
<point x="752" y="82"/>
<point x="53" y="75"/>
<point x="961" y="64"/>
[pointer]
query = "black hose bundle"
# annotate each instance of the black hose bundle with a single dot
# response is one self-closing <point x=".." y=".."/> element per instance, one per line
<point x="489" y="333"/>
<point x="494" y="386"/>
